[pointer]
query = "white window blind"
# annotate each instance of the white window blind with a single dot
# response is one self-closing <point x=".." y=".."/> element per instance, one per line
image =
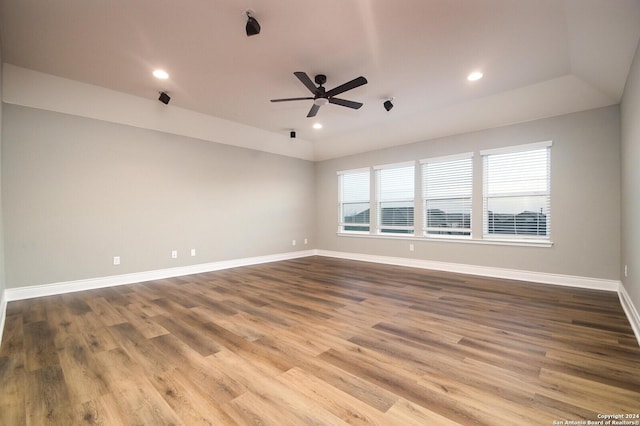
<point x="517" y="192"/>
<point x="447" y="185"/>
<point x="395" y="195"/>
<point x="354" y="200"/>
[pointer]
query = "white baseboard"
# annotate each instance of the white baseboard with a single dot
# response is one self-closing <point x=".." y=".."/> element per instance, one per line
<point x="538" y="277"/>
<point x="20" y="293"/>
<point x="484" y="271"/>
<point x="3" y="312"/>
<point x="29" y="292"/>
<point x="630" y="310"/>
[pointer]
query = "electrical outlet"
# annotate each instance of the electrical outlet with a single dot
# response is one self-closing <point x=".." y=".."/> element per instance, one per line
<point x="193" y="252"/>
<point x="306" y="241"/>
<point x="116" y="260"/>
<point x="293" y="243"/>
<point x="411" y="248"/>
<point x="174" y="254"/>
<point x="626" y="271"/>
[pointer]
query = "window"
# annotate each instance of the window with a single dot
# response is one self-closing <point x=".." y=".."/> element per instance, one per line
<point x="354" y="200"/>
<point x="395" y="196"/>
<point x="517" y="192"/>
<point x="447" y="185"/>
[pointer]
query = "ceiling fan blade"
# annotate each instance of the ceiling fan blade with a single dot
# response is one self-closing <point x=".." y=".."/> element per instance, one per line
<point x="345" y="103"/>
<point x="291" y="99"/>
<point x="304" y="78"/>
<point x="356" y="82"/>
<point x="313" y="111"/>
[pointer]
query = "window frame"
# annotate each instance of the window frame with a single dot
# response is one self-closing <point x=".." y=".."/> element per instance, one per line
<point x="341" y="202"/>
<point x="416" y="232"/>
<point x="394" y="230"/>
<point x="464" y="233"/>
<point x="486" y="196"/>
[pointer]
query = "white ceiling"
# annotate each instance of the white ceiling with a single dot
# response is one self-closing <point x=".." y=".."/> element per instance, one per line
<point x="539" y="58"/>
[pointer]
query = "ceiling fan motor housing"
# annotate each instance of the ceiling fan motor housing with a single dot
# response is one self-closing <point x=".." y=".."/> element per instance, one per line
<point x="320" y="79"/>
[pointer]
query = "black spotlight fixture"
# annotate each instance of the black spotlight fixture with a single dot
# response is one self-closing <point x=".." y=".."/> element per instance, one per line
<point x="388" y="105"/>
<point x="164" y="98"/>
<point x="253" y="27"/>
<point x="292" y="134"/>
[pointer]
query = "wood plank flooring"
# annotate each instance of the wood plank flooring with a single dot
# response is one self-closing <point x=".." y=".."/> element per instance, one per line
<point x="319" y="341"/>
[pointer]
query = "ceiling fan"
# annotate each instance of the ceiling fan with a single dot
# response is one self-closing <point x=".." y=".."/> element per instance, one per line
<point x="321" y="96"/>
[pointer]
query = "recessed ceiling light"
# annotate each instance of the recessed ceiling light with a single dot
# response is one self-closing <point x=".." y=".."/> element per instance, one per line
<point x="317" y="126"/>
<point x="161" y="74"/>
<point x="474" y="76"/>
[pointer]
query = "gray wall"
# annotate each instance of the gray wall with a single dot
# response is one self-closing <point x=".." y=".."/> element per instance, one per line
<point x="78" y="191"/>
<point x="585" y="218"/>
<point x="630" y="112"/>
<point x="2" y="263"/>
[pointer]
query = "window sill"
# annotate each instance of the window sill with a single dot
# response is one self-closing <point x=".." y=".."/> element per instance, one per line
<point x="462" y="240"/>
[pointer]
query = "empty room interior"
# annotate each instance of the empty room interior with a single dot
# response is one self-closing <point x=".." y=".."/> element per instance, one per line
<point x="422" y="212"/>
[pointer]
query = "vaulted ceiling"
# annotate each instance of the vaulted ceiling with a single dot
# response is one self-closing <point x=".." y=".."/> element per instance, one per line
<point x="539" y="58"/>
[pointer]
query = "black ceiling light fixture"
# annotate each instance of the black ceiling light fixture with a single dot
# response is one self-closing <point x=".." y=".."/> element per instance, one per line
<point x="387" y="104"/>
<point x="253" y="27"/>
<point x="164" y="98"/>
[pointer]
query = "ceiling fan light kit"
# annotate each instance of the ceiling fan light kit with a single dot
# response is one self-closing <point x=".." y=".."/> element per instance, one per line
<point x="321" y="96"/>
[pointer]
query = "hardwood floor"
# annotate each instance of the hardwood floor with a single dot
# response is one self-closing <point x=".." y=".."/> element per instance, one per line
<point x="319" y="341"/>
